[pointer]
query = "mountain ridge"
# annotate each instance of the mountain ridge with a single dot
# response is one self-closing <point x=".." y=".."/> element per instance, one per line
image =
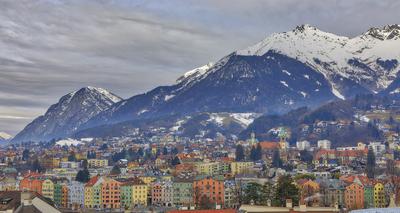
<point x="301" y="67"/>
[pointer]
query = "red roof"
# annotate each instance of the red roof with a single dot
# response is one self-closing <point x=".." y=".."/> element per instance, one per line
<point x="205" y="211"/>
<point x="269" y="145"/>
<point x="92" y="181"/>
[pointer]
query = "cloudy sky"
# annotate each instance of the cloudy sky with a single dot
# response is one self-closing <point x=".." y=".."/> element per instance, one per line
<point x="49" y="48"/>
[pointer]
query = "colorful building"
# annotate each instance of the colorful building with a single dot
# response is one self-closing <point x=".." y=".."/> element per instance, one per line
<point x="354" y="195"/>
<point x="210" y="188"/>
<point x="93" y="190"/>
<point x="183" y="191"/>
<point x="97" y="163"/>
<point x="48" y="189"/>
<point x="241" y="167"/>
<point x="369" y="196"/>
<point x="76" y="195"/>
<point x="133" y="193"/>
<point x="162" y="193"/>
<point x="379" y="195"/>
<point x="110" y="193"/>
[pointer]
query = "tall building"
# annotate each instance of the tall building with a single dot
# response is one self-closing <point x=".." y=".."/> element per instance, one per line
<point x="76" y="194"/>
<point x="162" y="193"/>
<point x="324" y="144"/>
<point x="209" y="189"/>
<point x="48" y="189"/>
<point x="93" y="192"/>
<point x="183" y="191"/>
<point x="110" y="191"/>
<point x="354" y="195"/>
<point x="379" y="195"/>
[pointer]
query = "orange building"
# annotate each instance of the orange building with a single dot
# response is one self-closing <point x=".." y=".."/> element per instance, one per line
<point x="110" y="191"/>
<point x="33" y="184"/>
<point x="354" y="195"/>
<point x="64" y="199"/>
<point x="211" y="188"/>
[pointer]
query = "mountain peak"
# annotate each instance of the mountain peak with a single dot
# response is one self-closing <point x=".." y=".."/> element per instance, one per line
<point x="90" y="89"/>
<point x="304" y="27"/>
<point x="66" y="116"/>
<point x="386" y="32"/>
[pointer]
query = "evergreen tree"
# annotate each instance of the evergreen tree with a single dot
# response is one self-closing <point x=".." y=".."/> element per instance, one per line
<point x="165" y="151"/>
<point x="37" y="167"/>
<point x="85" y="164"/>
<point x="286" y="189"/>
<point x="259" y="152"/>
<point x="371" y="163"/>
<point x="253" y="153"/>
<point x="140" y="152"/>
<point x="115" y="170"/>
<point x="253" y="193"/>
<point x="276" y="159"/>
<point x="175" y="161"/>
<point x="256" y="153"/>
<point x="175" y="151"/>
<point x="83" y="176"/>
<point x="306" y="156"/>
<point x="72" y="157"/>
<point x="25" y="155"/>
<point x="268" y="193"/>
<point x="239" y="153"/>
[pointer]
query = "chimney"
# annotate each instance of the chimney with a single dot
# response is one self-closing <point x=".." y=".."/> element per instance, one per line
<point x="289" y="203"/>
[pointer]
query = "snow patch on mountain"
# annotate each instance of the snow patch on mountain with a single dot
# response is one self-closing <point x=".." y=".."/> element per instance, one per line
<point x="5" y="136"/>
<point x="69" y="142"/>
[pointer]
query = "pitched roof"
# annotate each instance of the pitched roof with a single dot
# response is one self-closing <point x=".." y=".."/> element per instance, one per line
<point x="269" y="145"/>
<point x="92" y="181"/>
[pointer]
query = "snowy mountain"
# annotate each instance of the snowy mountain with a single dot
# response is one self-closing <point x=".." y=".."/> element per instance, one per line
<point x="302" y="67"/>
<point x="4" y="137"/>
<point x="65" y="117"/>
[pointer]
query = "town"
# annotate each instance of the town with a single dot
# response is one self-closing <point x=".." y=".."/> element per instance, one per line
<point x="170" y="174"/>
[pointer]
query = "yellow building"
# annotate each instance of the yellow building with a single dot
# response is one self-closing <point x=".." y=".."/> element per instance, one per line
<point x="48" y="189"/>
<point x="379" y="196"/>
<point x="93" y="192"/>
<point x="50" y="162"/>
<point x="139" y="193"/>
<point x="241" y="167"/>
<point x="147" y="179"/>
<point x="205" y="168"/>
<point x="97" y="163"/>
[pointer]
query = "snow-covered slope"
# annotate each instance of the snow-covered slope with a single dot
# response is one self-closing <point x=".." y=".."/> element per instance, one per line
<point x="68" y="114"/>
<point x="69" y="142"/>
<point x="370" y="59"/>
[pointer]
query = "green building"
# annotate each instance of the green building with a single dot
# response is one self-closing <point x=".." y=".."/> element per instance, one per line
<point x="97" y="195"/>
<point x="183" y="191"/>
<point x="126" y="195"/>
<point x="58" y="194"/>
<point x="368" y="196"/>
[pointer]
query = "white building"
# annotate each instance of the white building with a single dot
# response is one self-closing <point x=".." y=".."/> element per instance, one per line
<point x="324" y="144"/>
<point x="76" y="194"/>
<point x="303" y="145"/>
<point x="377" y="147"/>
